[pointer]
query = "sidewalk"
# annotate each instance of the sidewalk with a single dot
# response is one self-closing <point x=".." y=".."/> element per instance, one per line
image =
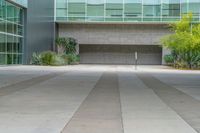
<point x="98" y="99"/>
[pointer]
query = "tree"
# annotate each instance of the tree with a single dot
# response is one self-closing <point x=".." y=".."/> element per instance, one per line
<point x="61" y="43"/>
<point x="185" y="42"/>
<point x="66" y="45"/>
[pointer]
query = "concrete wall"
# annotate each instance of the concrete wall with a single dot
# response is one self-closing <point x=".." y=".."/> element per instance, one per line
<point x="120" y="54"/>
<point x="40" y="28"/>
<point x="121" y="34"/>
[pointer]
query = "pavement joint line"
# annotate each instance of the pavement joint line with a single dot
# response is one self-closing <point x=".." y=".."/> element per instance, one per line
<point x="120" y="105"/>
<point x="80" y="105"/>
<point x="94" y="115"/>
<point x="187" y="107"/>
<point x="11" y="88"/>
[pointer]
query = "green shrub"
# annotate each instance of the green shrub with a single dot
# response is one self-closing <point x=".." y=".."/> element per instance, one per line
<point x="65" y="58"/>
<point x="59" y="61"/>
<point x="72" y="58"/>
<point x="48" y="58"/>
<point x="169" y="59"/>
<point x="52" y="59"/>
<point x="36" y="59"/>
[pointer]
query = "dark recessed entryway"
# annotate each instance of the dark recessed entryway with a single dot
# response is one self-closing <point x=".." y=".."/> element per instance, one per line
<point x="120" y="54"/>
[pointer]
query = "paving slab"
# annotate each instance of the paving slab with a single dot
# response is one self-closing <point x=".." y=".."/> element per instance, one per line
<point x="101" y="110"/>
<point x="185" y="82"/>
<point x="25" y="84"/>
<point x="185" y="105"/>
<point x="143" y="111"/>
<point x="46" y="107"/>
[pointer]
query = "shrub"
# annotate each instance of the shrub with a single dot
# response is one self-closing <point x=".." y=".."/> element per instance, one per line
<point x="52" y="59"/>
<point x="72" y="58"/>
<point x="48" y="58"/>
<point x="59" y="61"/>
<point x="169" y="59"/>
<point x="184" y="42"/>
<point x="36" y="59"/>
<point x="66" y="45"/>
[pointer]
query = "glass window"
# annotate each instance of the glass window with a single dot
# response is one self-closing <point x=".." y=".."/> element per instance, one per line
<point x="61" y="6"/>
<point x="10" y="40"/>
<point x="184" y="7"/>
<point x="171" y="8"/>
<point x="194" y="7"/>
<point x="10" y="22"/>
<point x="132" y="10"/>
<point x="2" y="9"/>
<point x="114" y="10"/>
<point x="2" y="25"/>
<point x="95" y="10"/>
<point x="17" y="15"/>
<point x="21" y="2"/>
<point x="2" y="43"/>
<point x="10" y="28"/>
<point x="19" y="30"/>
<point x="10" y="12"/>
<point x="151" y="10"/>
<point x="76" y="9"/>
<point x="2" y="59"/>
<point x="9" y="59"/>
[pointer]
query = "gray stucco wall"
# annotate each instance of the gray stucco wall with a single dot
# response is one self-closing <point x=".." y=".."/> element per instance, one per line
<point x="116" y="34"/>
<point x="40" y="28"/>
<point x="121" y="34"/>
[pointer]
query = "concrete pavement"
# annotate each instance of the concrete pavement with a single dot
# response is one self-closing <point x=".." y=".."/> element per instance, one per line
<point x="97" y="98"/>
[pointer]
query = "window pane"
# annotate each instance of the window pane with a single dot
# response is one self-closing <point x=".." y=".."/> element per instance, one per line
<point x="114" y="10"/>
<point x="171" y="8"/>
<point x="184" y="7"/>
<point x="151" y="8"/>
<point x="2" y="43"/>
<point x="10" y="12"/>
<point x="76" y="8"/>
<point x="10" y="27"/>
<point x="61" y="6"/>
<point x="9" y="59"/>
<point x="95" y="10"/>
<point x="133" y="10"/>
<point x="10" y="40"/>
<point x="2" y="59"/>
<point x="2" y="25"/>
<point x="194" y="7"/>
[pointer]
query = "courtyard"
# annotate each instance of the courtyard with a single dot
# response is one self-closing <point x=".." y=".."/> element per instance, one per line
<point x="99" y="99"/>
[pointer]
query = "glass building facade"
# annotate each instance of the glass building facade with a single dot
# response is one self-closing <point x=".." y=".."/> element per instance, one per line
<point x="11" y="33"/>
<point x="23" y="3"/>
<point x="125" y="10"/>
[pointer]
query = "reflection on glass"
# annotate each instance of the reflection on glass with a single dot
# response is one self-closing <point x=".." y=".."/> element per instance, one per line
<point x="95" y="10"/>
<point x="132" y="10"/>
<point x="11" y="32"/>
<point x="126" y="10"/>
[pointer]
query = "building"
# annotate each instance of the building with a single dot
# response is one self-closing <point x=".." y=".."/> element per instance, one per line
<point x="11" y="32"/>
<point x="108" y="31"/>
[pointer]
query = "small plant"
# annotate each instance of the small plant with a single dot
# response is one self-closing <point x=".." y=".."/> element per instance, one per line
<point x="48" y="58"/>
<point x="61" y="45"/>
<point x="59" y="61"/>
<point x="71" y="45"/>
<point x="169" y="59"/>
<point x="66" y="45"/>
<point x="184" y="43"/>
<point x="36" y="59"/>
<point x="73" y="59"/>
